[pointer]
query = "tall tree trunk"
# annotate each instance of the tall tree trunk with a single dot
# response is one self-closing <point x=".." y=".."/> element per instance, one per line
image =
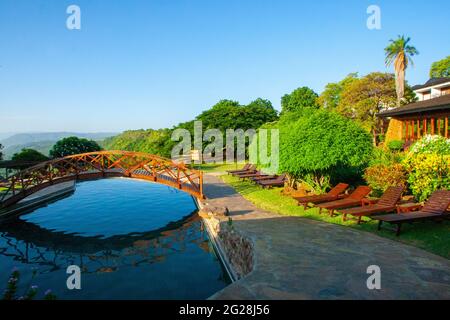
<point x="374" y="137"/>
<point x="399" y="66"/>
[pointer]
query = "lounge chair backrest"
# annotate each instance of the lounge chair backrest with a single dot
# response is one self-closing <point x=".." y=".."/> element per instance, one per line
<point x="338" y="189"/>
<point x="282" y="177"/>
<point x="252" y="167"/>
<point x="360" y="193"/>
<point x="391" y="196"/>
<point x="438" y="202"/>
<point x="246" y="167"/>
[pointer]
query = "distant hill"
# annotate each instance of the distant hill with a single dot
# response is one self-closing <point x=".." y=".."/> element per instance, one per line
<point x="41" y="146"/>
<point x="43" y="141"/>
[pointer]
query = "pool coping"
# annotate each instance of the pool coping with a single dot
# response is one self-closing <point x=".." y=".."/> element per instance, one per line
<point x="218" y="248"/>
<point x="25" y="205"/>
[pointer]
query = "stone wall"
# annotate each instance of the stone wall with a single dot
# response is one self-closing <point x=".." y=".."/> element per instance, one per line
<point x="395" y="131"/>
<point x="237" y="247"/>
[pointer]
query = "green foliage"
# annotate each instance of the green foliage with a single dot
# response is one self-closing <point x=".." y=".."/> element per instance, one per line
<point x="428" y="165"/>
<point x="149" y="141"/>
<point x="227" y="114"/>
<point x="324" y="148"/>
<point x="300" y="98"/>
<point x="441" y="68"/>
<point x="396" y="145"/>
<point x="363" y="98"/>
<point x="379" y="177"/>
<point x="385" y="157"/>
<point x="1" y="153"/>
<point x="409" y="96"/>
<point x="73" y="145"/>
<point x="330" y="97"/>
<point x="400" y="49"/>
<point x="428" y="172"/>
<point x="29" y="155"/>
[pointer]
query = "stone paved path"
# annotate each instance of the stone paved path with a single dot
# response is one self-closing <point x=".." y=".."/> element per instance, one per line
<point x="298" y="258"/>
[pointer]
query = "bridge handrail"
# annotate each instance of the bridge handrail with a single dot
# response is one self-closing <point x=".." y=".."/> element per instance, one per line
<point x="179" y="173"/>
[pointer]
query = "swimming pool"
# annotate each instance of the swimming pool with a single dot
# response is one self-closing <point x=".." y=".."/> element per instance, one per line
<point x="131" y="239"/>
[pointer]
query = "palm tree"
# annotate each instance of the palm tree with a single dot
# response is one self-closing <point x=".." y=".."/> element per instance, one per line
<point x="400" y="52"/>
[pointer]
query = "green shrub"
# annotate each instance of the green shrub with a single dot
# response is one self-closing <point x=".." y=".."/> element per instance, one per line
<point x="73" y="145"/>
<point x="396" y="145"/>
<point x="29" y="155"/>
<point x="385" y="157"/>
<point x="379" y="177"/>
<point x="324" y="148"/>
<point x="428" y="172"/>
<point x="428" y="165"/>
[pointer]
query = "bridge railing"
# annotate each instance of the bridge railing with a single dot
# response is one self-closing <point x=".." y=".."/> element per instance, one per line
<point x="101" y="164"/>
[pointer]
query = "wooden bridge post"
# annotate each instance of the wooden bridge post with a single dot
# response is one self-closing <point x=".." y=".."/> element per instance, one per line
<point x="201" y="184"/>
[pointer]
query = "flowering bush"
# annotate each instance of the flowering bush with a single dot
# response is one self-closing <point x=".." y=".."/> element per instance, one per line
<point x="428" y="172"/>
<point x="12" y="288"/>
<point x="431" y="144"/>
<point x="428" y="166"/>
<point x="381" y="176"/>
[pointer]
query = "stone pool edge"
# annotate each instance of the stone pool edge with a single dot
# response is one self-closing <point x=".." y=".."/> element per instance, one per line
<point x="213" y="225"/>
<point x="45" y="195"/>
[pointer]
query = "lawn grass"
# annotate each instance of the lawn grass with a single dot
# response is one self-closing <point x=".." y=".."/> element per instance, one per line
<point x="430" y="236"/>
<point x="219" y="167"/>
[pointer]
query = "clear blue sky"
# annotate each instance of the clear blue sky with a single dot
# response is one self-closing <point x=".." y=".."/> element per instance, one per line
<point x="151" y="64"/>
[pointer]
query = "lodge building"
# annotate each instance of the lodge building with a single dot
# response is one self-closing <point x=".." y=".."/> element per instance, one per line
<point x="429" y="115"/>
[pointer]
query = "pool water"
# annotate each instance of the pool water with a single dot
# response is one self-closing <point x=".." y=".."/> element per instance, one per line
<point x="131" y="239"/>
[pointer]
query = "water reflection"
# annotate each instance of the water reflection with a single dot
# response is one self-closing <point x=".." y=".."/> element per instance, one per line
<point x="172" y="262"/>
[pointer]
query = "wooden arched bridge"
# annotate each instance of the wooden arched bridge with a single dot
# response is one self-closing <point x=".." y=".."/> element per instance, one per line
<point x="97" y="165"/>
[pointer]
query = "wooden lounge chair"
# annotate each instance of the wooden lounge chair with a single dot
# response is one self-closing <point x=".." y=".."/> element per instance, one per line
<point x="263" y="177"/>
<point x="245" y="168"/>
<point x="251" y="169"/>
<point x="434" y="209"/>
<point x="352" y="200"/>
<point x="387" y="203"/>
<point x="277" y="182"/>
<point x="332" y="195"/>
<point x="250" y="175"/>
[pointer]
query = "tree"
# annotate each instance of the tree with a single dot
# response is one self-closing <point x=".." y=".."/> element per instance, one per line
<point x="324" y="147"/>
<point x="29" y="155"/>
<point x="1" y="153"/>
<point x="299" y="98"/>
<point x="228" y="114"/>
<point x="150" y="141"/>
<point x="73" y="145"/>
<point x="330" y="97"/>
<point x="400" y="53"/>
<point x="365" y="97"/>
<point x="441" y="68"/>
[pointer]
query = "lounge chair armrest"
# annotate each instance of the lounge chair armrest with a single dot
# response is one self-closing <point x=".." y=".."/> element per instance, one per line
<point x="368" y="202"/>
<point x="343" y="196"/>
<point x="408" y="207"/>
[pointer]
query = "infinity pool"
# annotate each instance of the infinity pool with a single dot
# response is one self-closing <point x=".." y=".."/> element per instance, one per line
<point x="131" y="239"/>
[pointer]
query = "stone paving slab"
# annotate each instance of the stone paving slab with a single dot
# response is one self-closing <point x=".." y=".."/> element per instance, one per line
<point x="299" y="258"/>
